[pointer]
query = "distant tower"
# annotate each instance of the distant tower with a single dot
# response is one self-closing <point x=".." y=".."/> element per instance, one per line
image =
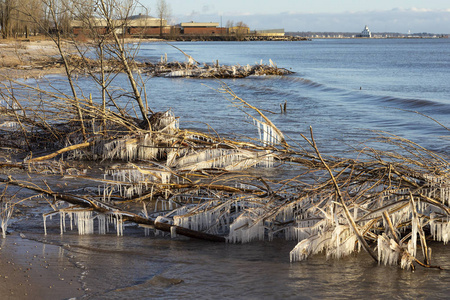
<point x="366" y="32"/>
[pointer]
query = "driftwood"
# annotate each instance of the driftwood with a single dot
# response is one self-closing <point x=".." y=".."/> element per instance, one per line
<point x="177" y="69"/>
<point x="191" y="68"/>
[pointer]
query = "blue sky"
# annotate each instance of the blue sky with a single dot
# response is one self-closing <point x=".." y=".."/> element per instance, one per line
<point x="317" y="15"/>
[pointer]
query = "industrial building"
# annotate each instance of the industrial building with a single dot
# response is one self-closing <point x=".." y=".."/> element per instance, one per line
<point x="144" y="25"/>
<point x="202" y="28"/>
<point x="88" y="26"/>
<point x="134" y="25"/>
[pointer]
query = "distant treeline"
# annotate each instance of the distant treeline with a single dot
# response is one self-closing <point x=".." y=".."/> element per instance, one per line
<point x="23" y="17"/>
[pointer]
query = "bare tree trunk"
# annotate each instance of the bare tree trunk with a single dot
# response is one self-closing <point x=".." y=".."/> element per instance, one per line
<point x="6" y="10"/>
<point x="123" y="58"/>
<point x="66" y="67"/>
<point x="163" y="11"/>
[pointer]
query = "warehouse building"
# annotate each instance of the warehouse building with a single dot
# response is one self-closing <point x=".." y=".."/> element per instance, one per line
<point x="142" y="25"/>
<point x="202" y="28"/>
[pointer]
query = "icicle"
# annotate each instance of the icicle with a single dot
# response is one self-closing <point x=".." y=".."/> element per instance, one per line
<point x="301" y="251"/>
<point x="173" y="232"/>
<point x="101" y="223"/>
<point x="388" y="250"/>
<point x="85" y="222"/>
<point x="244" y="230"/>
<point x="71" y="220"/>
<point x="62" y="222"/>
<point x="118" y="222"/>
<point x="45" y="224"/>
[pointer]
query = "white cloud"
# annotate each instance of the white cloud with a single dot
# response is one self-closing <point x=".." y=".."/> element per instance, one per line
<point x="415" y="9"/>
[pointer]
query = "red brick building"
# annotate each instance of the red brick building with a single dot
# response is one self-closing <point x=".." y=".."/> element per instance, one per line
<point x="146" y="26"/>
<point x="202" y="28"/>
<point x="88" y="26"/>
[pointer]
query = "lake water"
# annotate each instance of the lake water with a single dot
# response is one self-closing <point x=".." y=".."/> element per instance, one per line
<point x="343" y="89"/>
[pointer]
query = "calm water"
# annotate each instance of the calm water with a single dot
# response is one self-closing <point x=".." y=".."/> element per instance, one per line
<point x="342" y="88"/>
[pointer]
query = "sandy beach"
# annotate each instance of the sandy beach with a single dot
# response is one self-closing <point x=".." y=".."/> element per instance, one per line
<point x="33" y="270"/>
<point x="24" y="58"/>
<point x="30" y="58"/>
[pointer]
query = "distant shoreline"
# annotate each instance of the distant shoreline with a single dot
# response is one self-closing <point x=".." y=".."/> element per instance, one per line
<point x="377" y="35"/>
<point x="378" y="38"/>
<point x="36" y="57"/>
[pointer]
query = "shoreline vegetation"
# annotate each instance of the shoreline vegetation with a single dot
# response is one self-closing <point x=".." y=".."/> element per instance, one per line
<point x="142" y="168"/>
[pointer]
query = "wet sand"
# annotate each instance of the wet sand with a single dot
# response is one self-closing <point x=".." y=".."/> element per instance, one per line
<point x="30" y="269"/>
<point x="33" y="270"/>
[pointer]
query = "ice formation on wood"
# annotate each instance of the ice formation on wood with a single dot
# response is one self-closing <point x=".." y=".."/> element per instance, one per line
<point x="84" y="221"/>
<point x="405" y="208"/>
<point x="130" y="181"/>
<point x="440" y="229"/>
<point x="145" y="146"/>
<point x="6" y="210"/>
<point x="245" y="229"/>
<point x="267" y="133"/>
<point x="228" y="159"/>
<point x="180" y="73"/>
<point x="9" y="125"/>
<point x="321" y="225"/>
<point x="388" y="250"/>
<point x="209" y="216"/>
<point x="180" y="176"/>
<point x="394" y="217"/>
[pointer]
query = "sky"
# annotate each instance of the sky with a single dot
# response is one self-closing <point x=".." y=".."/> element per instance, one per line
<point x="402" y="16"/>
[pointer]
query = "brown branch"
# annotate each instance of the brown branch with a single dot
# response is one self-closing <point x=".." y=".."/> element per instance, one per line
<point x="341" y="199"/>
<point x="60" y="151"/>
<point x="127" y="216"/>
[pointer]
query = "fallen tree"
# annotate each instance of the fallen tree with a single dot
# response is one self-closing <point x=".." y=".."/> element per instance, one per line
<point x="146" y="170"/>
<point x="195" y="184"/>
